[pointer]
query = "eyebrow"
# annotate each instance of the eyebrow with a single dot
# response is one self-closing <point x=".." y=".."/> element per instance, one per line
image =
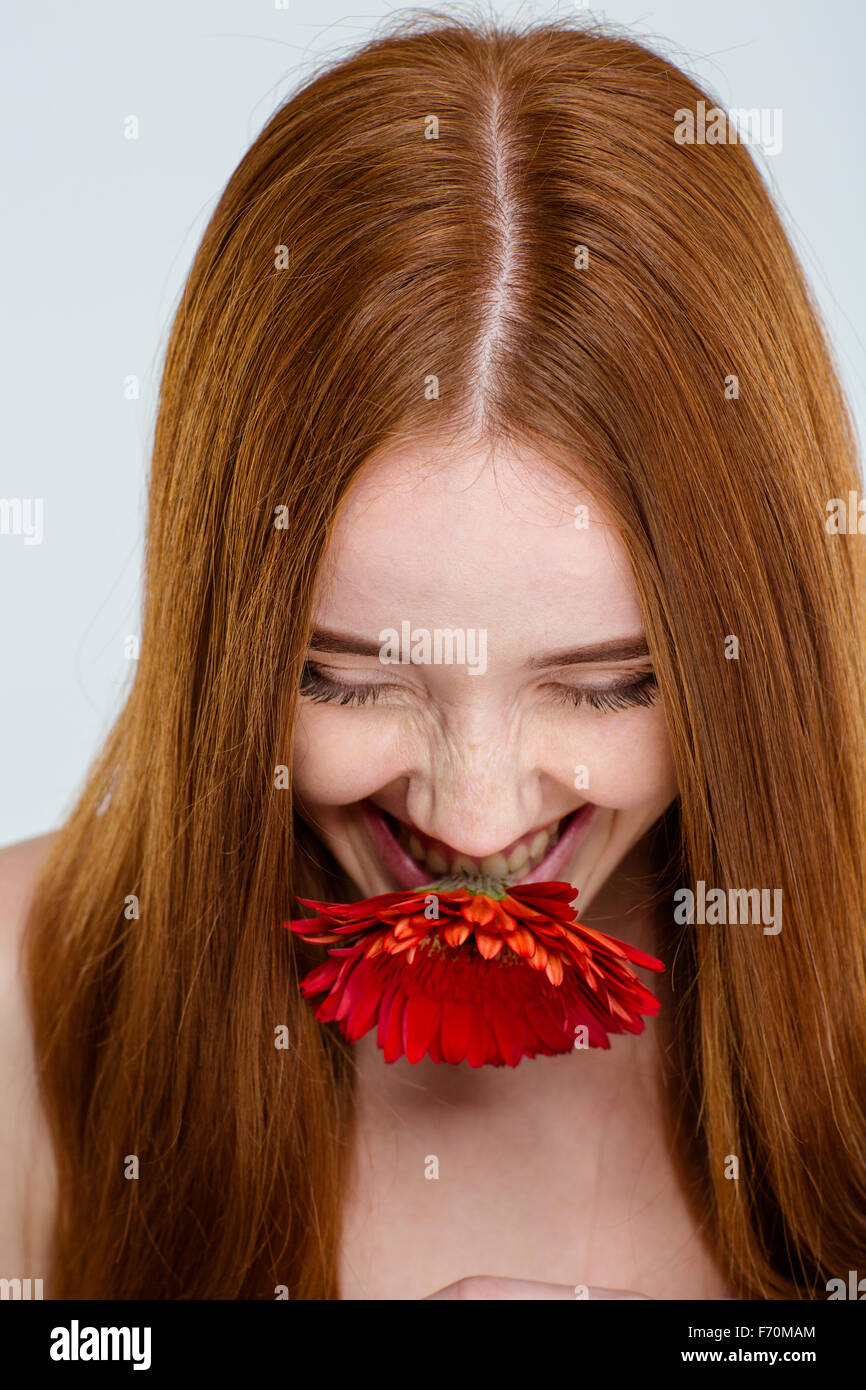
<point x="614" y="649"/>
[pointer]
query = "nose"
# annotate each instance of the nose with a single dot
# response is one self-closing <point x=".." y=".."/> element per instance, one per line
<point x="478" y="800"/>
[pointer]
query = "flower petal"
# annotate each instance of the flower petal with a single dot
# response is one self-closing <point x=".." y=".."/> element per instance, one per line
<point x="489" y="946"/>
<point x="553" y="970"/>
<point x="455" y="1031"/>
<point x="420" y="1024"/>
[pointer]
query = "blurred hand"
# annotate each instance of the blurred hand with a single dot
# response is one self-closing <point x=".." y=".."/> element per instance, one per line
<point x="488" y="1286"/>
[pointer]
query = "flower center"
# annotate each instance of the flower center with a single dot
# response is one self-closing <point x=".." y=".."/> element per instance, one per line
<point x="476" y="883"/>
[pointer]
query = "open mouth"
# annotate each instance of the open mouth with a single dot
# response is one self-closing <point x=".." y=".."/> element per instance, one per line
<point x="414" y="858"/>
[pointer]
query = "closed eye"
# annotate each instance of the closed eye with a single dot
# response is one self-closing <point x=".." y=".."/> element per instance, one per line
<point x="625" y="694"/>
<point x="316" y="687"/>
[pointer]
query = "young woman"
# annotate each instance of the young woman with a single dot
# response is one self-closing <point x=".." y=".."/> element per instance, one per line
<point x="475" y="341"/>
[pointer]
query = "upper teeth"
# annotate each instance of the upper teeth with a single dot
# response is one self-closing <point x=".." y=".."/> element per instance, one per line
<point x="523" y="857"/>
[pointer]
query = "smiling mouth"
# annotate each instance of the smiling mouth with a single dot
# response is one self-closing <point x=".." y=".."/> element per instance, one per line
<point x="415" y="858"/>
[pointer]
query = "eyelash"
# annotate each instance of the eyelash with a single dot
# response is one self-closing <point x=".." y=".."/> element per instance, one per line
<point x="639" y="692"/>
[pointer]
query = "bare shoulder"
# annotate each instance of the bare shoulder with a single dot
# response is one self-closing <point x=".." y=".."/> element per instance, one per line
<point x="26" y="1160"/>
<point x="19" y="869"/>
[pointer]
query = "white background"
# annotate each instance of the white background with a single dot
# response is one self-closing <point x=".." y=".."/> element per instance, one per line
<point x="99" y="232"/>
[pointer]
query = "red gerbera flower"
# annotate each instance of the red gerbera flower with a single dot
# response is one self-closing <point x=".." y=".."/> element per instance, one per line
<point x="479" y="976"/>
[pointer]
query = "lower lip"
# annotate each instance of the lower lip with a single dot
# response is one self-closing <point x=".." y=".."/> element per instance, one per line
<point x="407" y="874"/>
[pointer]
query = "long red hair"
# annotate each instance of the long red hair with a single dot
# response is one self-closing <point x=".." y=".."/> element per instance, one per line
<point x="396" y="255"/>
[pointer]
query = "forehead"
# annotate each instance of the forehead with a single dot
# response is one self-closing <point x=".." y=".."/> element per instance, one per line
<point x="474" y="539"/>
